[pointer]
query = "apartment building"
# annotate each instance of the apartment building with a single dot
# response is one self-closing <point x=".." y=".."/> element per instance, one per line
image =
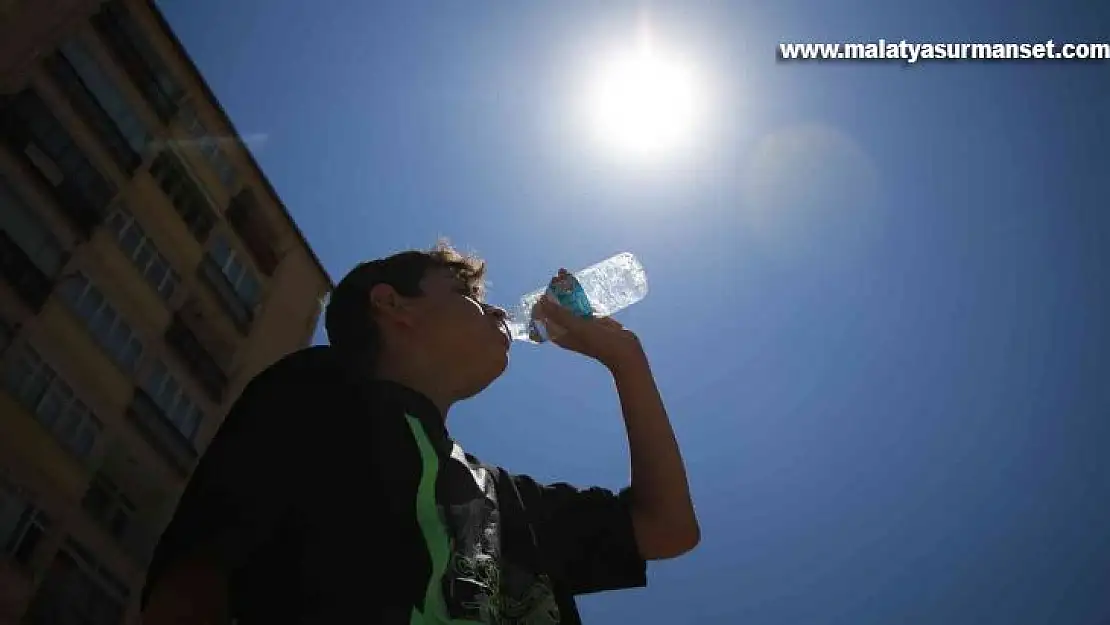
<point x="147" y="271"/>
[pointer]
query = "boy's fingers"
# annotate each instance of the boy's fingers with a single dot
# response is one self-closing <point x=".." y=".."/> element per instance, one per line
<point x="552" y="311"/>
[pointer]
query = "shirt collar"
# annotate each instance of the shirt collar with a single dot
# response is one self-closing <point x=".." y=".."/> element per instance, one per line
<point x="415" y="404"/>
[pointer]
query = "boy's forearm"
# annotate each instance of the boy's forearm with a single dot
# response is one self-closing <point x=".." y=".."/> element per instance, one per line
<point x="662" y="509"/>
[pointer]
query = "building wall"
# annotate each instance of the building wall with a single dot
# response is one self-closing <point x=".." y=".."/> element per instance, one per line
<point x="89" y="479"/>
<point x="29" y="26"/>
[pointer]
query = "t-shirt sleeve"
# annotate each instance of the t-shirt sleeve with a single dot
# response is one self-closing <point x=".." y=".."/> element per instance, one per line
<point x="238" y="496"/>
<point x="585" y="536"/>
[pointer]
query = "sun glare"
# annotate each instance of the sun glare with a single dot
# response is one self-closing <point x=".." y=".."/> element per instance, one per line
<point x="644" y="103"/>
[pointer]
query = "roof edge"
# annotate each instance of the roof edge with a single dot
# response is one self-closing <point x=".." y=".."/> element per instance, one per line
<point x="208" y="93"/>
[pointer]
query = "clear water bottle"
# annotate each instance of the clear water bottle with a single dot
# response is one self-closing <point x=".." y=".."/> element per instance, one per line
<point x="599" y="290"/>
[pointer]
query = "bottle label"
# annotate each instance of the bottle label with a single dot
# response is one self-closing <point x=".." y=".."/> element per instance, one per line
<point x="569" y="293"/>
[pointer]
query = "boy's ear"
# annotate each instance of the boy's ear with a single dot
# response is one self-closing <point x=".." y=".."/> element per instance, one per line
<point x="386" y="303"/>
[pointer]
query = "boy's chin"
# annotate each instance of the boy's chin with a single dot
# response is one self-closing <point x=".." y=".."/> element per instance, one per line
<point x="480" y="384"/>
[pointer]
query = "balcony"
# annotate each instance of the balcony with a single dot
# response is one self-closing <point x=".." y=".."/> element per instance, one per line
<point x="152" y="423"/>
<point x="185" y="194"/>
<point x="25" y="278"/>
<point x="196" y="356"/>
<point x="70" y="199"/>
<point x="127" y="500"/>
<point x="114" y="513"/>
<point x="248" y="222"/>
<point x="211" y="274"/>
<point x="46" y="150"/>
<point x="119" y="31"/>
<point x="86" y="103"/>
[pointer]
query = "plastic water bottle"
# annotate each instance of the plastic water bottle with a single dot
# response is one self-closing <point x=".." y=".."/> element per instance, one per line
<point x="596" y="291"/>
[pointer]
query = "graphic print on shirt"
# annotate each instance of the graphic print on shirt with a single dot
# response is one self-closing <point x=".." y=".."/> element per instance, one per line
<point x="471" y="583"/>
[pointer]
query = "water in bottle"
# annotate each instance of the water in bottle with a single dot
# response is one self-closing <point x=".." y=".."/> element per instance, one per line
<point x="599" y="290"/>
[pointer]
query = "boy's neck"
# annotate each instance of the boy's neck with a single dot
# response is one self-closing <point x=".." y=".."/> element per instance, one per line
<point x="417" y="379"/>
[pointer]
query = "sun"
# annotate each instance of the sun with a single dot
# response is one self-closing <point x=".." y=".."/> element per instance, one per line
<point x="644" y="103"/>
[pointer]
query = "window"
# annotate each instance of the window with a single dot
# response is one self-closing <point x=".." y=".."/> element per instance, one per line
<point x="233" y="281"/>
<point x="109" y="506"/>
<point x="53" y="403"/>
<point x="209" y="147"/>
<point x="138" y="247"/>
<point x="142" y="62"/>
<point x="100" y="102"/>
<point x="236" y="270"/>
<point x="25" y="228"/>
<point x="79" y="591"/>
<point x="22" y="525"/>
<point x="171" y="398"/>
<point x="35" y="135"/>
<point x="187" y="197"/>
<point x="103" y="322"/>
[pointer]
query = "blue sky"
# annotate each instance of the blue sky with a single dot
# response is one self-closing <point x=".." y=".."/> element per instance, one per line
<point x="878" y="307"/>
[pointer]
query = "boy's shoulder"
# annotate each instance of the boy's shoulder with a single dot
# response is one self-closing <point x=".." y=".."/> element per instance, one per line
<point x="309" y="369"/>
<point x="301" y="381"/>
<point x="314" y="361"/>
<point x="319" y="380"/>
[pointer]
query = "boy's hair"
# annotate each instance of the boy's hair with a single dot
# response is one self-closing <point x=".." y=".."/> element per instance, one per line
<point x="350" y="325"/>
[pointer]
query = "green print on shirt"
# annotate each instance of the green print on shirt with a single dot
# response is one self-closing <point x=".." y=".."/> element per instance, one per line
<point x="464" y="554"/>
<point x="435" y="534"/>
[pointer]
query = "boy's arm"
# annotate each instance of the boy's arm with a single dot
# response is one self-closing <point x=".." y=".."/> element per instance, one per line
<point x="662" y="511"/>
<point x="660" y="505"/>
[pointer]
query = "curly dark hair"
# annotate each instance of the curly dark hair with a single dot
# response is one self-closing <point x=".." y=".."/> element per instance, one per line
<point x="351" y="328"/>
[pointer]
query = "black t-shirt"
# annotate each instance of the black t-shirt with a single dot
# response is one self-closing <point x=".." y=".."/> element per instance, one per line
<point x="335" y="500"/>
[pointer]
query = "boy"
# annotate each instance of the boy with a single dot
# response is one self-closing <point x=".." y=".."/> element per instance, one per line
<point x="334" y="494"/>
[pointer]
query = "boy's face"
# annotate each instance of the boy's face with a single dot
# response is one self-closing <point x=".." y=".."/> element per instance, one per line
<point x="468" y="334"/>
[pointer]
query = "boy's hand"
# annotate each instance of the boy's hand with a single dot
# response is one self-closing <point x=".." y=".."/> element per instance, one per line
<point x="601" y="338"/>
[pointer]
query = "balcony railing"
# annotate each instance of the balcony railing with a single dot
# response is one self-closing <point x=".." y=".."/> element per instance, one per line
<point x="211" y="274"/>
<point x="197" y="358"/>
<point x="149" y="419"/>
<point x="243" y="215"/>
<point x="25" y="278"/>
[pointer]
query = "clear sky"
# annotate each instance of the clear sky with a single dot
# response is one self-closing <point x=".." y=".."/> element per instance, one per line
<point x="879" y="292"/>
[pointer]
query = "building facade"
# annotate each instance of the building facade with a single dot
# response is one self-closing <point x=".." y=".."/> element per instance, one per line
<point x="147" y="271"/>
